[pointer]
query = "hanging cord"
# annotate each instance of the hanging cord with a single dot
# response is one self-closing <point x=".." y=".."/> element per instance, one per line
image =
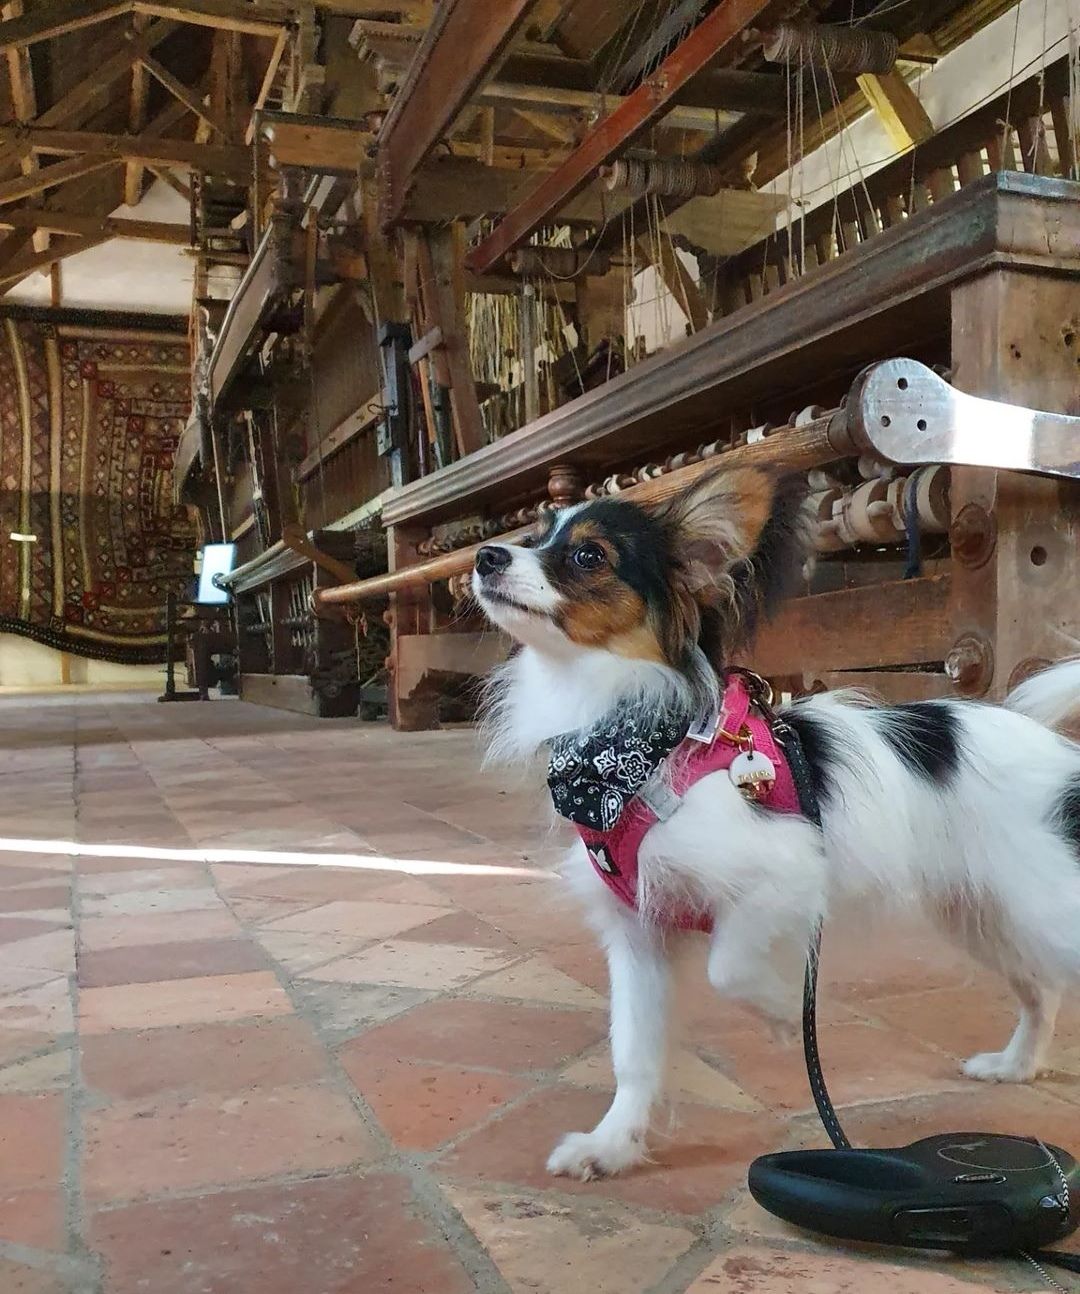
<point x="912" y="528"/>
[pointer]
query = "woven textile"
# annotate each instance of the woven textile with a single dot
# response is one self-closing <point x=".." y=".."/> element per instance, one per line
<point x="89" y="422"/>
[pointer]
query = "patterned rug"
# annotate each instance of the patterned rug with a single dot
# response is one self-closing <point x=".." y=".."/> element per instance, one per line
<point x="89" y="421"/>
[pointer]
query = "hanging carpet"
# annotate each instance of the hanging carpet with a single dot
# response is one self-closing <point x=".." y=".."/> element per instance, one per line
<point x="90" y="417"/>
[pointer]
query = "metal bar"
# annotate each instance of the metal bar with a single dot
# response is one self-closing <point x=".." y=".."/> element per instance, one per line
<point x="459" y="50"/>
<point x="620" y="128"/>
<point x="905" y="413"/>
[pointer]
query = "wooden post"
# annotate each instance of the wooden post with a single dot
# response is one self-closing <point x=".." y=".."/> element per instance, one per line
<point x="1015" y="538"/>
<point x="410" y="615"/>
<point x="442" y="282"/>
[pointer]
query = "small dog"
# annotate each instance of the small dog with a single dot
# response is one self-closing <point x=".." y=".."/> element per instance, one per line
<point x="630" y="615"/>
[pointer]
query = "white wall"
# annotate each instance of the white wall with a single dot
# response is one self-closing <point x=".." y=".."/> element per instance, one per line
<point x="25" y="664"/>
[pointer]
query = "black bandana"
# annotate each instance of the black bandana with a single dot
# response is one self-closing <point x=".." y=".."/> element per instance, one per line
<point x="594" y="775"/>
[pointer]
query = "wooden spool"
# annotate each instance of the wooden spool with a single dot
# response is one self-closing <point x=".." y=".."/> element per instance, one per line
<point x="839" y="49"/>
<point x="667" y="177"/>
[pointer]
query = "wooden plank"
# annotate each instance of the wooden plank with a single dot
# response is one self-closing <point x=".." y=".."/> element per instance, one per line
<point x="57" y="18"/>
<point x="359" y="421"/>
<point x="281" y="691"/>
<point x="903" y="622"/>
<point x="150" y="148"/>
<point x="167" y="177"/>
<point x="1015" y="595"/>
<point x="320" y="143"/>
<point x="180" y="92"/>
<point x="429" y="342"/>
<point x="548" y="124"/>
<point x="906" y="121"/>
<point x="420" y="657"/>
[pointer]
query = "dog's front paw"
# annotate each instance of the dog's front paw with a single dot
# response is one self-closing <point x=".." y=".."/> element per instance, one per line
<point x="587" y="1155"/>
<point x="998" y="1067"/>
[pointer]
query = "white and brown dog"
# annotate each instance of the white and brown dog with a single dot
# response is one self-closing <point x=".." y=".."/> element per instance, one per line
<point x="627" y="618"/>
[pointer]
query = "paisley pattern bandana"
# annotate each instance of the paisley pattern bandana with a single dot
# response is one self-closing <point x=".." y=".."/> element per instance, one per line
<point x="594" y="775"/>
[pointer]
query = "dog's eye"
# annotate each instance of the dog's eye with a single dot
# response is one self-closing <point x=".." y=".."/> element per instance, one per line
<point x="589" y="557"/>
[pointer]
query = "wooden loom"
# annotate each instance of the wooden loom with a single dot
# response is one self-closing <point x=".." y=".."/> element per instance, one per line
<point x="983" y="282"/>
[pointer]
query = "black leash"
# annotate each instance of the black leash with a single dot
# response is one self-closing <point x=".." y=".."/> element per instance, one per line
<point x="788" y="739"/>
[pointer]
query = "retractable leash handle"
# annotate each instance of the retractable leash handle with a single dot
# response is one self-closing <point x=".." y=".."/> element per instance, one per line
<point x="977" y="1194"/>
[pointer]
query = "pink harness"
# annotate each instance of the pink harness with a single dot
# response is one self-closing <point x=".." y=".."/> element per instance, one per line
<point x="739" y="730"/>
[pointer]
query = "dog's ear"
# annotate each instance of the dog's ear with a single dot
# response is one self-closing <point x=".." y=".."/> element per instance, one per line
<point x="717" y="524"/>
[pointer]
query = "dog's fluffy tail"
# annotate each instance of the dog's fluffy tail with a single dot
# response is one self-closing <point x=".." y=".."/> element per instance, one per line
<point x="1051" y="697"/>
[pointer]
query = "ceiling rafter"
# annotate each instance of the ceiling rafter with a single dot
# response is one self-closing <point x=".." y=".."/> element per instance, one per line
<point x="148" y="148"/>
<point x="24" y="101"/>
<point x="183" y="94"/>
<point x="78" y="224"/>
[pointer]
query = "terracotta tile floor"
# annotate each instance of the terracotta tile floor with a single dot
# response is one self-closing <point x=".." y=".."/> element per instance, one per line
<point x="302" y="1012"/>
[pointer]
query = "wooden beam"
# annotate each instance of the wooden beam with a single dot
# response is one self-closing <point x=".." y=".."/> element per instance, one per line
<point x="453" y="188"/>
<point x="617" y="130"/>
<point x="903" y="622"/>
<point x="180" y="92"/>
<point x="220" y="159"/>
<point x="56" y="285"/>
<point x="906" y="121"/>
<point x="56" y="19"/>
<point x="25" y="186"/>
<point x="89" y="226"/>
<point x="444" y="293"/>
<point x="461" y="48"/>
<point x="93" y="91"/>
<point x="266" y="19"/>
<point x="336" y="144"/>
<point x="24" y="102"/>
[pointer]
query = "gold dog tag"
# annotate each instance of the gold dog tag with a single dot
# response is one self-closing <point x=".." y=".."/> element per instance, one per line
<point x="753" y="773"/>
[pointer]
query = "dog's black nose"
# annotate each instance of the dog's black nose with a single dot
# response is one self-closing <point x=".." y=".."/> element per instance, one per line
<point x="492" y="558"/>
